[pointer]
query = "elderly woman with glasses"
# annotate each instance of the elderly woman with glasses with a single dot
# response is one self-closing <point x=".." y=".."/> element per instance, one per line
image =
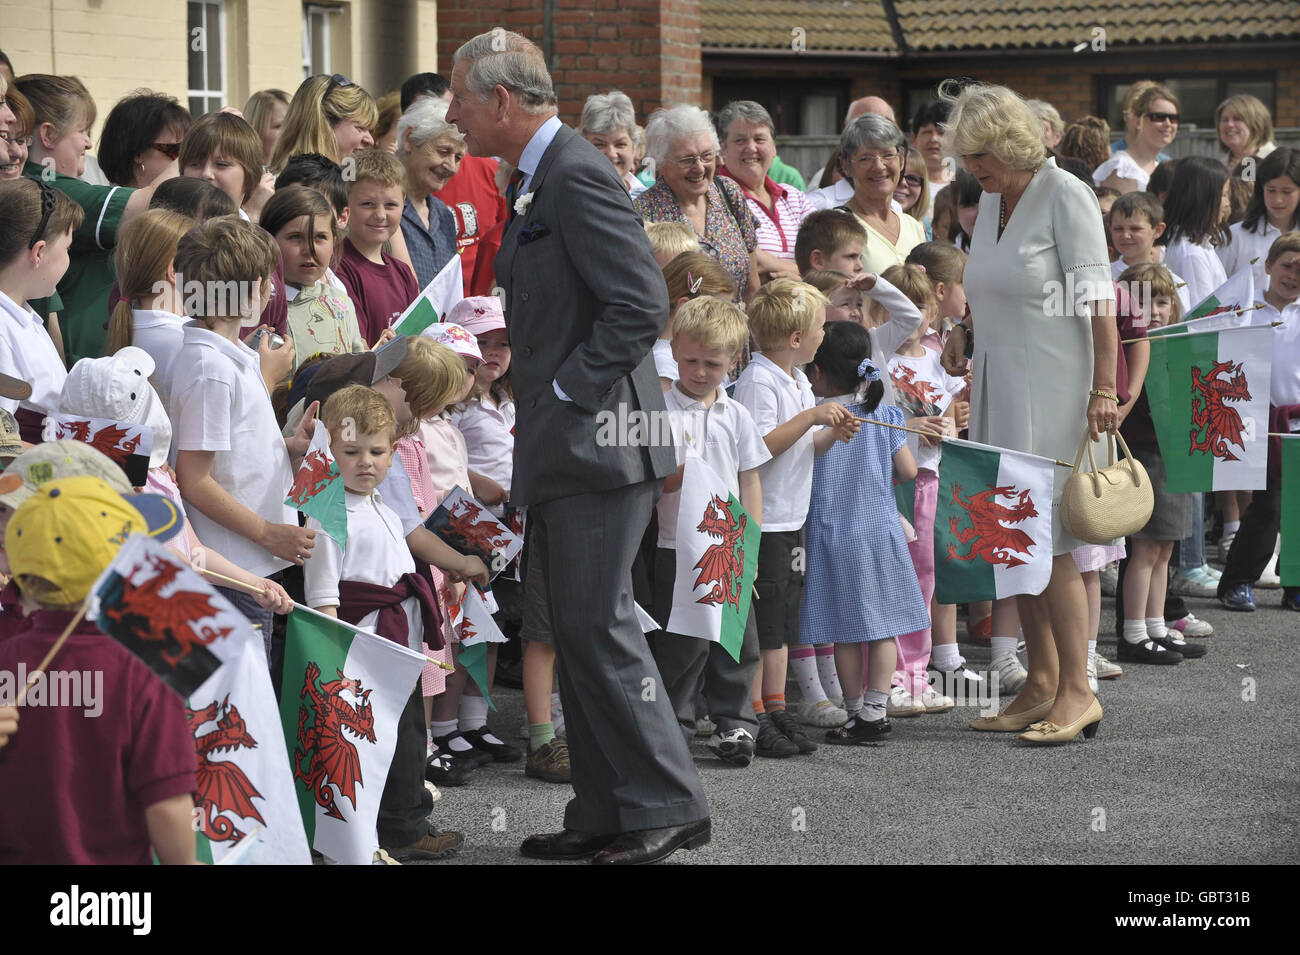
<point x="748" y="151"/>
<point x="872" y="157"/>
<point x="431" y="149"/>
<point x="609" y="123"/>
<point x="1154" y="118"/>
<point x="683" y="146"/>
<point x="1044" y="369"/>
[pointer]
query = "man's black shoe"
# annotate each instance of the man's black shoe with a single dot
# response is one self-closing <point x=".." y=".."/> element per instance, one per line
<point x="645" y="846"/>
<point x="567" y="844"/>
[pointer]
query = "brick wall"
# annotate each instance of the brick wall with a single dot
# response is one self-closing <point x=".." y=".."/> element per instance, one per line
<point x="649" y="49"/>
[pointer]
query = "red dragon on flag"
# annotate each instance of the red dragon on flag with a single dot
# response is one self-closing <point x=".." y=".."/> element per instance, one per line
<point x="313" y="476"/>
<point x="222" y="785"/>
<point x="146" y="613"/>
<point x="329" y="756"/>
<point x="466" y="523"/>
<point x="721" y="564"/>
<point x="989" y="536"/>
<point x="1216" y="424"/>
<point x="112" y="441"/>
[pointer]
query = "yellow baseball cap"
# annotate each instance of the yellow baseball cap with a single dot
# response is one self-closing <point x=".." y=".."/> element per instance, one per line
<point x="71" y="529"/>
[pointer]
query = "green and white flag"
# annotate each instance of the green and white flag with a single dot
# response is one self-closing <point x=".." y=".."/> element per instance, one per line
<point x="1208" y="394"/>
<point x="477" y="630"/>
<point x="343" y="692"/>
<point x="1289" y="565"/>
<point x="1237" y="293"/>
<point x="318" y="490"/>
<point x="717" y="560"/>
<point x="245" y="791"/>
<point x="993" y="523"/>
<point x="435" y="301"/>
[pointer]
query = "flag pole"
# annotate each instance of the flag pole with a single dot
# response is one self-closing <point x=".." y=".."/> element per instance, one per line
<point x="1210" y="331"/>
<point x="898" y="427"/>
<point x="58" y="645"/>
<point x="311" y="610"/>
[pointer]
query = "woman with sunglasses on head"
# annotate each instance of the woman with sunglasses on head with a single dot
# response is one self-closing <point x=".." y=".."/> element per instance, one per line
<point x="64" y="113"/>
<point x="1155" y="124"/>
<point x="142" y="135"/>
<point x="328" y="115"/>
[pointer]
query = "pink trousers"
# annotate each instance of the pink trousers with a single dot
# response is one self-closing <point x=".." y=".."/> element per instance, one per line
<point x="914" y="648"/>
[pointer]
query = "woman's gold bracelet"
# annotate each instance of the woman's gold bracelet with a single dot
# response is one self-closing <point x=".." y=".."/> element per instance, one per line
<point x="1097" y="393"/>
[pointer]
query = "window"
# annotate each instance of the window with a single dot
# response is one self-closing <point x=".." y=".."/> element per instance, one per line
<point x="1198" y="95"/>
<point x="316" y="39"/>
<point x="206" y="37"/>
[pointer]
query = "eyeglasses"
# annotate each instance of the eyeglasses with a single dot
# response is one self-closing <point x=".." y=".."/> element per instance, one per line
<point x="170" y="150"/>
<point x="1163" y="118"/>
<point x="916" y="182"/>
<point x="47" y="207"/>
<point x="884" y="158"/>
<point x="704" y="159"/>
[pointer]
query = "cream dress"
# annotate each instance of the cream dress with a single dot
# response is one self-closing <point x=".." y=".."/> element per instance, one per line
<point x="1033" y="339"/>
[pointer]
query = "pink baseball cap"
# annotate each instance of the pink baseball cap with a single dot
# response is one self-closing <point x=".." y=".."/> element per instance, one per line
<point x="478" y="314"/>
<point x="456" y="338"/>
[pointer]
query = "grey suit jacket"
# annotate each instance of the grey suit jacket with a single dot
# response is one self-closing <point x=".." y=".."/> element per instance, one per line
<point x="584" y="304"/>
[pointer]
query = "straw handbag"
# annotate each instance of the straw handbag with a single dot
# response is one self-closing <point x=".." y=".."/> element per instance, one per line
<point x="1103" y="504"/>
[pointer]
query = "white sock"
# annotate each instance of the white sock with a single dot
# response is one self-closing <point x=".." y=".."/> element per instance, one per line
<point x="1156" y="628"/>
<point x="473" y="712"/>
<point x="442" y="728"/>
<point x="852" y="705"/>
<point x="805" y="673"/>
<point x="1231" y="527"/>
<point x="827" y="673"/>
<point x="947" y="657"/>
<point x="1135" y="632"/>
<point x="873" y="707"/>
<point x="1092" y="648"/>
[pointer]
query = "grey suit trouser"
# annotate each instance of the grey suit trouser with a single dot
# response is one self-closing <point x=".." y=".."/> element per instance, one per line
<point x="631" y="768"/>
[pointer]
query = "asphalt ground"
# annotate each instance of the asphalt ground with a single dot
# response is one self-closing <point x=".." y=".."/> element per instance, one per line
<point x="1193" y="764"/>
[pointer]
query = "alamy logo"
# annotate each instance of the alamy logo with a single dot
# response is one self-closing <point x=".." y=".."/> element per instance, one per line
<point x="103" y="908"/>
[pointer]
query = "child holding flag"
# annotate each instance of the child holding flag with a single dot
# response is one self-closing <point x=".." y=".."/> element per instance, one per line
<point x="715" y="432"/>
<point x="375" y="584"/>
<point x="861" y="585"/>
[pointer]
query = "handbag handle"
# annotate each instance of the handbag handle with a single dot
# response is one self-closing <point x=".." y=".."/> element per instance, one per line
<point x="1096" y="475"/>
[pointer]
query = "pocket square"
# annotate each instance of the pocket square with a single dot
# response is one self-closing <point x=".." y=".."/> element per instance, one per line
<point x="532" y="232"/>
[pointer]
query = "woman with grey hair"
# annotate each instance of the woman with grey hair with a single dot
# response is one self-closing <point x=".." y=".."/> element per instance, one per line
<point x="1053" y="126"/>
<point x="609" y="123"/>
<point x="683" y="146"/>
<point x="431" y="149"/>
<point x="1043" y="369"/>
<point x="748" y="150"/>
<point x="872" y="153"/>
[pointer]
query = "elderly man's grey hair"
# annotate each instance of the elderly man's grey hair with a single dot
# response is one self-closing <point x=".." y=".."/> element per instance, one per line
<point x="667" y="127"/>
<point x="502" y="58"/>
<point x="426" y="118"/>
<point x="606" y="113"/>
<point x="869" y="131"/>
<point x="746" y="109"/>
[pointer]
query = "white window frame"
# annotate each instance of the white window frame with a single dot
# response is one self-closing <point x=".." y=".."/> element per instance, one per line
<point x="311" y="12"/>
<point x="207" y="94"/>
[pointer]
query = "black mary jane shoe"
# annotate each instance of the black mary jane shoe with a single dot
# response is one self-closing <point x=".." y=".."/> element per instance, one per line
<point x="859" y="732"/>
<point x="1141" y="653"/>
<point x="568" y="844"/>
<point x="647" y="846"/>
<point x="1189" y="651"/>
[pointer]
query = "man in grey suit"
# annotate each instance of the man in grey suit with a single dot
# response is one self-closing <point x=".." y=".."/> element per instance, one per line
<point x="584" y="304"/>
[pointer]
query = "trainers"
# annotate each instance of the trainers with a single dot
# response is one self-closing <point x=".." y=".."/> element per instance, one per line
<point x="1291" y="601"/>
<point x="1109" y="580"/>
<point x="1225" y="545"/>
<point x="934" y="701"/>
<point x="484" y="741"/>
<point x="788" y="724"/>
<point x="902" y="703"/>
<point x="1211" y="572"/>
<point x="963" y="682"/>
<point x="1269" y="580"/>
<point x="1192" y="583"/>
<point x="1240" y="598"/>
<point x="1191" y="626"/>
<point x="771" y="742"/>
<point x="1106" y="670"/>
<point x="1011" y="673"/>
<point x="1092" y="673"/>
<point x="705" y="727"/>
<point x="550" y="762"/>
<point x="1148" y="651"/>
<point x="734" y="746"/>
<point x="859" y="732"/>
<point x="432" y="845"/>
<point x="824" y="713"/>
<point x="443" y="769"/>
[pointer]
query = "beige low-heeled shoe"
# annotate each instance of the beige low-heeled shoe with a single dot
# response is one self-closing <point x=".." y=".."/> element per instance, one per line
<point x="1049" y="734"/>
<point x="1013" y="722"/>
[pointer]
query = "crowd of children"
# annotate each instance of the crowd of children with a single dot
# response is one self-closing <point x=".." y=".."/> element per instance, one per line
<point x="246" y="308"/>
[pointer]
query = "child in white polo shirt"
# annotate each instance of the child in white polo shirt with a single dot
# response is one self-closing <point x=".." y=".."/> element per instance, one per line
<point x="787" y="319"/>
<point x="232" y="465"/>
<point x="708" y="336"/>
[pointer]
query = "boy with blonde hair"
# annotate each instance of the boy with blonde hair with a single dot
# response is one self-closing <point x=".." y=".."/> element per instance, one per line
<point x="669" y="240"/>
<point x="376" y="584"/>
<point x="379" y="285"/>
<point x="830" y="239"/>
<point x="787" y="319"/>
<point x="708" y="336"/>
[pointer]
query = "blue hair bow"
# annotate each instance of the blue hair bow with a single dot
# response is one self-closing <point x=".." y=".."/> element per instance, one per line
<point x="867" y="371"/>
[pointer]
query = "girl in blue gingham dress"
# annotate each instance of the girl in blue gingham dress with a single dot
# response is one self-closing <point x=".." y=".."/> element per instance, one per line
<point x="860" y="585"/>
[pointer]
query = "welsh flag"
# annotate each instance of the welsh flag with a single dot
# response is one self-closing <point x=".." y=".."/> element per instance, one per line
<point x="343" y="692"/>
<point x="717" y="559"/>
<point x="317" y="488"/>
<point x="128" y="445"/>
<point x="1209" y="401"/>
<point x="437" y="299"/>
<point x="1236" y="293"/>
<point x="1289" y="564"/>
<point x="477" y="630"/>
<point x="993" y="523"/>
<point x="245" y="790"/>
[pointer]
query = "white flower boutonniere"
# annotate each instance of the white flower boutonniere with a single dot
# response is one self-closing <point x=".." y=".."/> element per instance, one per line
<point x="523" y="202"/>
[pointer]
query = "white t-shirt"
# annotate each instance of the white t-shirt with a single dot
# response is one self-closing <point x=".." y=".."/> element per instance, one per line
<point x="665" y="364"/>
<point x="161" y="334"/>
<point x="376" y="554"/>
<point x="1123" y="165"/>
<point x="220" y="404"/>
<point x="489" y="440"/>
<point x="922" y="389"/>
<point x="1246" y="245"/>
<point x="772" y="398"/>
<point x="1119" y="267"/>
<point x="1198" y="265"/>
<point x="27" y="353"/>
<point x="723" y="435"/>
<point x="1284" y="387"/>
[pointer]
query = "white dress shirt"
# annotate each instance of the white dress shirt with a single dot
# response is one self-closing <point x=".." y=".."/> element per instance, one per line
<point x="1246" y="245"/>
<point x="27" y="353"/>
<point x="772" y="397"/>
<point x="161" y="334"/>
